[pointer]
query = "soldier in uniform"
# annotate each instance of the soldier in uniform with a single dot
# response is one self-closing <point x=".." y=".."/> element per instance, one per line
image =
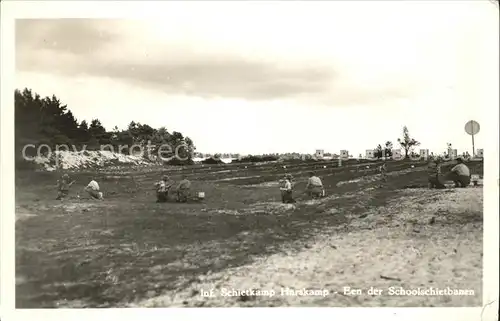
<point x="314" y="187"/>
<point x="286" y="189"/>
<point x="63" y="186"/>
<point x="383" y="171"/>
<point x="460" y="174"/>
<point x="434" y="174"/>
<point x="93" y="190"/>
<point x="162" y="188"/>
<point x="183" y="190"/>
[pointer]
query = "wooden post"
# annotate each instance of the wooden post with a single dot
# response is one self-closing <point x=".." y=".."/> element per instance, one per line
<point x="473" y="149"/>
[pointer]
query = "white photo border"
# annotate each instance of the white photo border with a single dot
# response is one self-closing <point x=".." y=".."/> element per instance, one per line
<point x="12" y="10"/>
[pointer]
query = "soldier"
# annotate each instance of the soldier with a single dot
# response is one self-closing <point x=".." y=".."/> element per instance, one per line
<point x="63" y="186"/>
<point x="314" y="187"/>
<point x="282" y="185"/>
<point x="286" y="189"/>
<point x="93" y="190"/>
<point x="460" y="174"/>
<point x="162" y="188"/>
<point x="183" y="190"/>
<point x="434" y="174"/>
<point x="383" y="172"/>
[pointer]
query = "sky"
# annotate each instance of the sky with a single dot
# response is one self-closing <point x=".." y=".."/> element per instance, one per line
<point x="274" y="77"/>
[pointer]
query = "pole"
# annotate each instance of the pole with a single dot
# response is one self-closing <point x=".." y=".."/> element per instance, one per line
<point x="473" y="151"/>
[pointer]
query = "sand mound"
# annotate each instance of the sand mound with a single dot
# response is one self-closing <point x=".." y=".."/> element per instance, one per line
<point x="86" y="159"/>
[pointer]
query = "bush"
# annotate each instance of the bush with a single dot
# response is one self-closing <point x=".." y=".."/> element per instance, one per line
<point x="177" y="162"/>
<point x="256" y="159"/>
<point x="212" y="161"/>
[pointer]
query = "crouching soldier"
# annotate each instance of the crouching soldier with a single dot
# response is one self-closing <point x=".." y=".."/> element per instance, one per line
<point x="460" y="174"/>
<point x="183" y="190"/>
<point x="286" y="189"/>
<point x="93" y="190"/>
<point x="314" y="187"/>
<point x="383" y="173"/>
<point x="63" y="186"/>
<point x="162" y="188"/>
<point x="434" y="174"/>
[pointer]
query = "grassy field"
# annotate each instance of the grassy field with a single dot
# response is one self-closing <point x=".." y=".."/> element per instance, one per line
<point x="130" y="251"/>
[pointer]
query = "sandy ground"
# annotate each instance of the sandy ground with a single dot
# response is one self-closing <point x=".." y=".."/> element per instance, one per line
<point x="130" y="251"/>
<point x="439" y="238"/>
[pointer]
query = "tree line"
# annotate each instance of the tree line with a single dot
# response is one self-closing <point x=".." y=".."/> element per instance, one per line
<point x="48" y="121"/>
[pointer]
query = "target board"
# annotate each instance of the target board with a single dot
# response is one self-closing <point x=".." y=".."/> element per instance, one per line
<point x="396" y="154"/>
<point x="319" y="153"/>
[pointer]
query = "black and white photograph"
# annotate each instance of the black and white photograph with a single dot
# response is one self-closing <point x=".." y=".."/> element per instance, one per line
<point x="255" y="154"/>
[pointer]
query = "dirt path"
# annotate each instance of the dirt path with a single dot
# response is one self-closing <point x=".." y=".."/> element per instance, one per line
<point x="420" y="239"/>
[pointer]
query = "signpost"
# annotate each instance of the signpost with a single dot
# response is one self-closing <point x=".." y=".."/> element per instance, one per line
<point x="472" y="128"/>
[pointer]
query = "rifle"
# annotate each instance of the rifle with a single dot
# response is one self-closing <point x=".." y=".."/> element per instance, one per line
<point x="167" y="187"/>
<point x="59" y="182"/>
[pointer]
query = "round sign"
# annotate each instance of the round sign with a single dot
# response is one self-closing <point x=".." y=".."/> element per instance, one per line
<point x="472" y="127"/>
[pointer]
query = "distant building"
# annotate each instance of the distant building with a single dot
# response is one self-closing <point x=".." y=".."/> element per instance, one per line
<point x="424" y="153"/>
<point x="479" y="153"/>
<point x="452" y="153"/>
<point x="370" y="153"/>
<point x="396" y="154"/>
<point x="319" y="154"/>
<point x="344" y="154"/>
